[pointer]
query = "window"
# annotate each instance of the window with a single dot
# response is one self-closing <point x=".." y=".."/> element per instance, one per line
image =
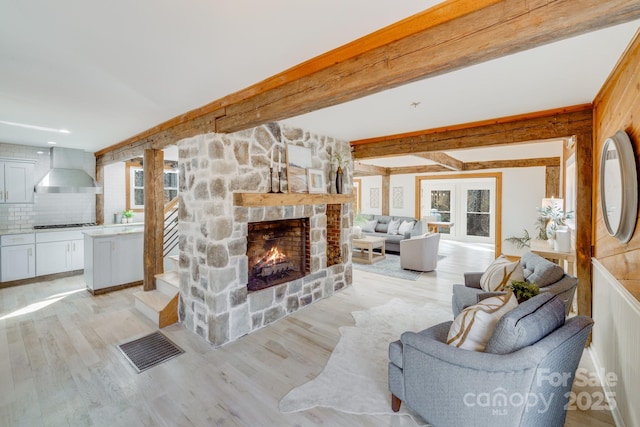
<point x="479" y="213"/>
<point x="135" y="189"/>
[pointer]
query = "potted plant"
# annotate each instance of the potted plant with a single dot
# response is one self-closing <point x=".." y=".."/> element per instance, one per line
<point x="128" y="215"/>
<point x="523" y="290"/>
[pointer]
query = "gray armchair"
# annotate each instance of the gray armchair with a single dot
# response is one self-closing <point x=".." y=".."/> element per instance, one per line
<point x="515" y="382"/>
<point x="420" y="253"/>
<point x="549" y="277"/>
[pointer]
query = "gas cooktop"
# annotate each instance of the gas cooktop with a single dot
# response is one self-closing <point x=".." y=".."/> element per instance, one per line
<point x="84" y="224"/>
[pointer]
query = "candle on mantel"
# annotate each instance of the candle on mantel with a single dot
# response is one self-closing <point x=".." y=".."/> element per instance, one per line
<point x="279" y="160"/>
<point x="271" y="160"/>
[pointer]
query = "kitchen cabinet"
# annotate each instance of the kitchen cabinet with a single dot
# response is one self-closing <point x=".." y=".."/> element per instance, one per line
<point x="59" y="251"/>
<point x="16" y="182"/>
<point x="113" y="257"/>
<point x="18" y="257"/>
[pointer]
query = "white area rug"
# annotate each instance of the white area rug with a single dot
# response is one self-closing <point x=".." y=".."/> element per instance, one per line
<point x="355" y="378"/>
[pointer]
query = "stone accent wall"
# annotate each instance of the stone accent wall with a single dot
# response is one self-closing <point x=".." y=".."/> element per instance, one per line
<point x="214" y="302"/>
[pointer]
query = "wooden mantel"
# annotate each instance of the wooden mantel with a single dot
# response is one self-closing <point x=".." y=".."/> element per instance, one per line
<point x="289" y="199"/>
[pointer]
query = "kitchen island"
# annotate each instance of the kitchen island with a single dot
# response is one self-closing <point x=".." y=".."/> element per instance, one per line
<point x="113" y="258"/>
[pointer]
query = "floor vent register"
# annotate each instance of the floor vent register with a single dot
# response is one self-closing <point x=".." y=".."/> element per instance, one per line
<point x="149" y="351"/>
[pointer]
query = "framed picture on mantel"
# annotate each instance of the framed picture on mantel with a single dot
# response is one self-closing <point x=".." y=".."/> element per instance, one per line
<point x="298" y="161"/>
<point x="315" y="177"/>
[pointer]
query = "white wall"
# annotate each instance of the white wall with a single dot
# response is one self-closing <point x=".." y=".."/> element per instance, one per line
<point x="115" y="198"/>
<point x="408" y="185"/>
<point x="369" y="182"/>
<point x="522" y="192"/>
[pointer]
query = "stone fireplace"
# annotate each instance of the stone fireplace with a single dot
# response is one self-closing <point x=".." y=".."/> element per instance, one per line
<point x="277" y="252"/>
<point x="230" y="282"/>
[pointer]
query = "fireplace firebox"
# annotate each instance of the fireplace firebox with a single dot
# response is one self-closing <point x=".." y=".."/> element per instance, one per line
<point x="278" y="252"/>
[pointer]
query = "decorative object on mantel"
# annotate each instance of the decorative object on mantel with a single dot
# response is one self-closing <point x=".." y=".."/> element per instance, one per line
<point x="343" y="161"/>
<point x="619" y="186"/>
<point x="298" y="161"/>
<point x="271" y="174"/>
<point x="315" y="178"/>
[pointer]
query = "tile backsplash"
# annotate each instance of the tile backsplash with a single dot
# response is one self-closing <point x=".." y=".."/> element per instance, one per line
<point x="46" y="208"/>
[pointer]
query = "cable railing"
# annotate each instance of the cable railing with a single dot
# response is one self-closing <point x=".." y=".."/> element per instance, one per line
<point x="171" y="236"/>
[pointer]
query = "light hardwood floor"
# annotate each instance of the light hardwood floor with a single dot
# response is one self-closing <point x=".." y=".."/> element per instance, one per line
<point x="60" y="365"/>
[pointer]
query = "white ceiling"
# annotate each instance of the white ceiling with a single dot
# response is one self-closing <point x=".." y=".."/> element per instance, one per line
<point x="108" y="70"/>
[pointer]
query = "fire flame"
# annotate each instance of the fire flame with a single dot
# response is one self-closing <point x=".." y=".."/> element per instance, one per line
<point x="274" y="256"/>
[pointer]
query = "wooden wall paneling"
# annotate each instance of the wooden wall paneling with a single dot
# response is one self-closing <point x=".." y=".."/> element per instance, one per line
<point x="153" y="216"/>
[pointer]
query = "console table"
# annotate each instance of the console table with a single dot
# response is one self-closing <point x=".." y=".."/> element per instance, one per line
<point x="543" y="249"/>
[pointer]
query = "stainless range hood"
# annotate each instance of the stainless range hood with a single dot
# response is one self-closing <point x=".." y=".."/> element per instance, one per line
<point x="67" y="174"/>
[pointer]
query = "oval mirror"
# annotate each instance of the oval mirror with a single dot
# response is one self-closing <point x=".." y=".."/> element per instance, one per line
<point x="619" y="186"/>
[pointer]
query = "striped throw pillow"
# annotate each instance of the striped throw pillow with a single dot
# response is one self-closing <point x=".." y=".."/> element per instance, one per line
<point x="473" y="327"/>
<point x="500" y="273"/>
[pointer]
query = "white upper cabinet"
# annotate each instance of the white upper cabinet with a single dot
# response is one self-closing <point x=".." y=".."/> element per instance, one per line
<point x="16" y="182"/>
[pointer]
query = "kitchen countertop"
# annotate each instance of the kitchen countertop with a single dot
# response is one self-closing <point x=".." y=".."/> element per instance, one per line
<point x="111" y="227"/>
<point x="114" y="231"/>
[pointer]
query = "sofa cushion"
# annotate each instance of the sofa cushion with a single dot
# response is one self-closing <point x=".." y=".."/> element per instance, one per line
<point x="540" y="271"/>
<point x="406" y="227"/>
<point x="394" y="225"/>
<point x="473" y="327"/>
<point x="369" y="226"/>
<point x="527" y="324"/>
<point x="500" y="273"/>
<point x="383" y="224"/>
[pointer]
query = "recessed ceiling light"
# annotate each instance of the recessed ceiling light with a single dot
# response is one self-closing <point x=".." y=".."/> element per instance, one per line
<point x="39" y="152"/>
<point x="23" y="125"/>
<point x="51" y="142"/>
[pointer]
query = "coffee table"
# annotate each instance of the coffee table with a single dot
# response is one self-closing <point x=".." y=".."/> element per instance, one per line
<point x="369" y="243"/>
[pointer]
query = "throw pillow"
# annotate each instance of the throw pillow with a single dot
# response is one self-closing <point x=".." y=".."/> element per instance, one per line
<point x="527" y="324"/>
<point x="369" y="226"/>
<point x="405" y="227"/>
<point x="394" y="225"/>
<point x="500" y="273"/>
<point x="473" y="327"/>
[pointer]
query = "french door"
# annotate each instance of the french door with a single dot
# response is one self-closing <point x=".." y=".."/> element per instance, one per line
<point x="469" y="203"/>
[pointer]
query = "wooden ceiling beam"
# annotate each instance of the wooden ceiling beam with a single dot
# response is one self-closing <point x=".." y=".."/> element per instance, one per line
<point x="515" y="163"/>
<point x="450" y="36"/>
<point x="550" y="124"/>
<point x="402" y="170"/>
<point x="443" y="159"/>
<point x="474" y="36"/>
<point x="363" y="169"/>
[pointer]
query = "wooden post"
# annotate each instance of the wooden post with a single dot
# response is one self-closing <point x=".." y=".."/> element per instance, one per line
<point x="153" y="216"/>
<point x="386" y="181"/>
<point x="100" y="197"/>
<point x="552" y="182"/>
<point x="584" y="227"/>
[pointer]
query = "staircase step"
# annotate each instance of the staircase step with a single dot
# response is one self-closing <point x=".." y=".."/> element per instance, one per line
<point x="160" y="308"/>
<point x="175" y="261"/>
<point x="168" y="283"/>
